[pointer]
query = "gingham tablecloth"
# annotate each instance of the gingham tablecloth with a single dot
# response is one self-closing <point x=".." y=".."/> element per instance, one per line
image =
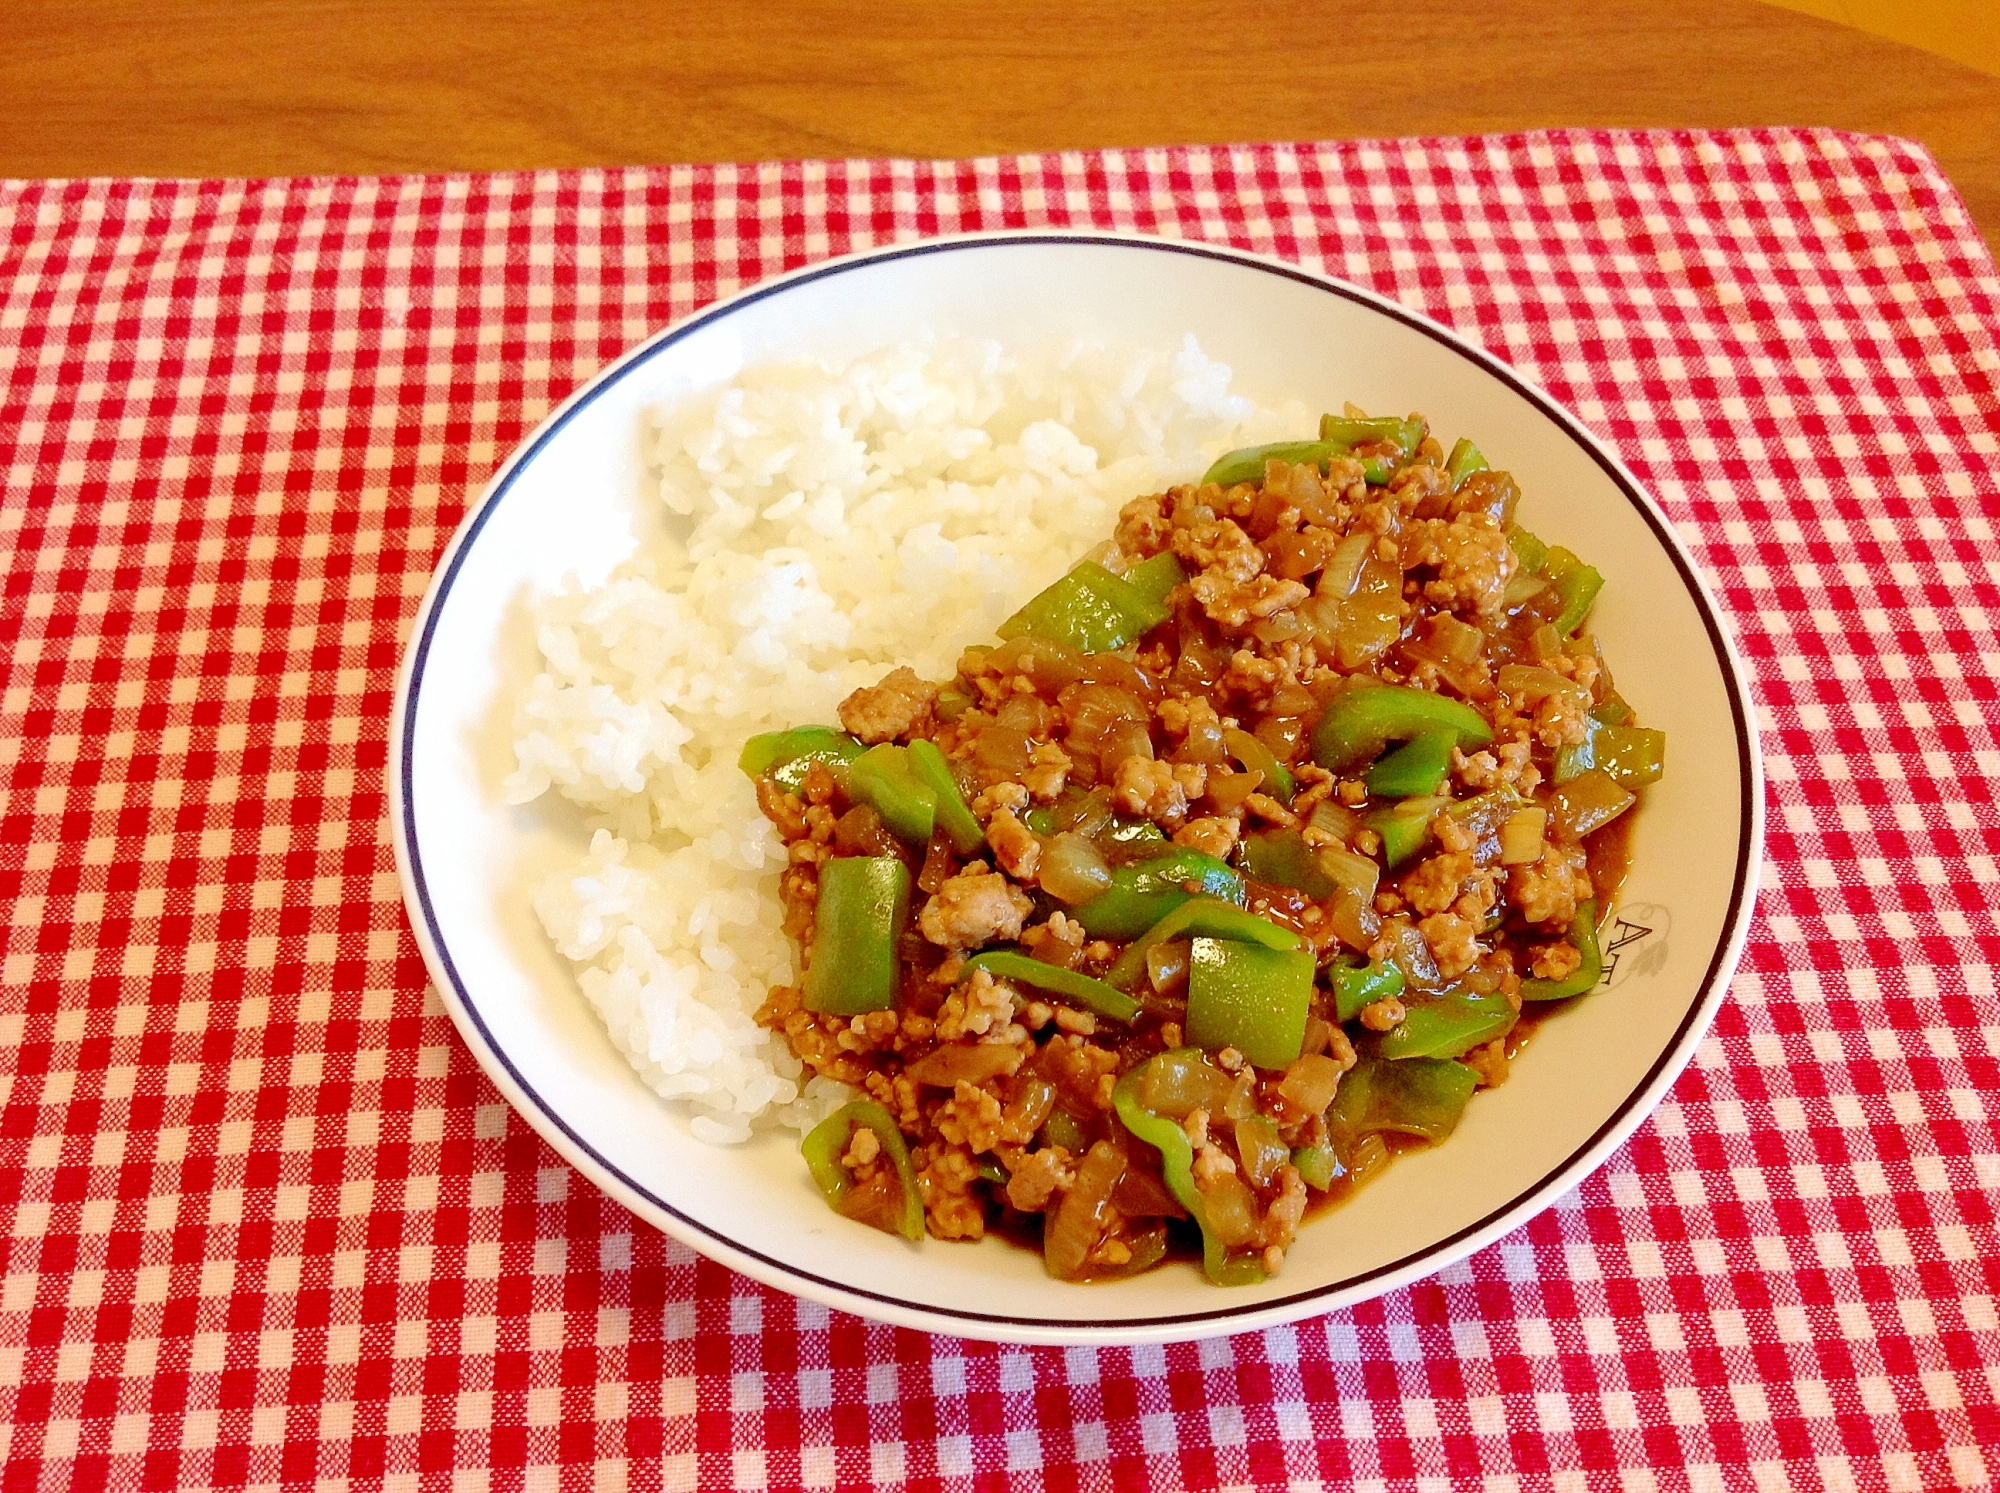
<point x="266" y="1225"/>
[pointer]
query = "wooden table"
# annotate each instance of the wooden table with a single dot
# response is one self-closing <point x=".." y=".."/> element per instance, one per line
<point x="268" y="87"/>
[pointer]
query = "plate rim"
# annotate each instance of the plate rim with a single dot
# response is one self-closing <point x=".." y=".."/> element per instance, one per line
<point x="1003" y="1327"/>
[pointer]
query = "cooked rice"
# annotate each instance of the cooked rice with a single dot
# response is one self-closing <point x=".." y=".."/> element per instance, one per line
<point x="828" y="526"/>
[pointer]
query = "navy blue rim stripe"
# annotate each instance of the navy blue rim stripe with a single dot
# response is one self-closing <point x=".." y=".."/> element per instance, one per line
<point x="1746" y="769"/>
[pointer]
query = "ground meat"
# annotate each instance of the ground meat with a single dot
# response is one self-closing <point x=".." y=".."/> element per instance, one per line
<point x="1384" y="1015"/>
<point x="1471" y="559"/>
<point x="1453" y="941"/>
<point x="1490" y="1062"/>
<point x="1282" y="1218"/>
<point x="1147" y="788"/>
<point x="1039" y="1176"/>
<point x="946" y="1182"/>
<point x="1214" y="833"/>
<point x="1549" y="890"/>
<point x="869" y="1032"/>
<point x="1058" y="941"/>
<point x="882" y="712"/>
<point x="1143" y="526"/>
<point x="1219" y="548"/>
<point x="981" y="1006"/>
<point x="1234" y="603"/>
<point x="1555" y="961"/>
<point x="975" y="907"/>
<point x="1048" y="770"/>
<point x="970" y="1118"/>
<point x="1015" y="847"/>
<point x="1435" y="884"/>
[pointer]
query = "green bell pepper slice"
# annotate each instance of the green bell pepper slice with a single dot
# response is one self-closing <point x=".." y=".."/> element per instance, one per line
<point x="1154" y="578"/>
<point x="1207" y="916"/>
<point x="884" y="777"/>
<point x="1449" y="1026"/>
<point x="1631" y="756"/>
<point x="1247" y="463"/>
<point x="1249" y="997"/>
<point x="1528" y="549"/>
<point x="1465" y="459"/>
<point x="1177" y="1169"/>
<point x="1611" y="710"/>
<point x="1424" y="1097"/>
<point x="827" y="1142"/>
<point x="1090" y="610"/>
<point x="953" y="816"/>
<point x="1358" y="985"/>
<point x="1141" y="894"/>
<point x="1405" y="827"/>
<point x="1583" y="938"/>
<point x="1064" y="1129"/>
<point x="1415" y="769"/>
<point x="1092" y="995"/>
<point x="1576" y="583"/>
<point x="1353" y="430"/>
<point x="1359" y="723"/>
<point x="786" y="756"/>
<point x="864" y="905"/>
<point x="1319" y="1166"/>
<point x="1257" y="757"/>
<point x="1282" y="858"/>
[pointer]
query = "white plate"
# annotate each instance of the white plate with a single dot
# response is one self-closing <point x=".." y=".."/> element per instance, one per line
<point x="565" y="502"/>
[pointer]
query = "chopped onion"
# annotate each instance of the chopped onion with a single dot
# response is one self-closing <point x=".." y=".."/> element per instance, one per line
<point x="1356" y="873"/>
<point x="1227" y="790"/>
<point x="1355" y="921"/>
<point x="1179" y="1083"/>
<point x="964" y="1062"/>
<point x="1521" y="837"/>
<point x="1075" y="1227"/>
<point x="1231" y="1209"/>
<point x="1167" y="966"/>
<point x="1000" y="753"/>
<point x="1310" y="1082"/>
<point x="1332" y="817"/>
<point x="1073" y="869"/>
<point x="1029" y="714"/>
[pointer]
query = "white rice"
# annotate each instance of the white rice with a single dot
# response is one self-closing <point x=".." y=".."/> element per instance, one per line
<point x="829" y="525"/>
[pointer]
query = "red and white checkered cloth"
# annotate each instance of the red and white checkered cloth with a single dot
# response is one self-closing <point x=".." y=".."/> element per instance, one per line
<point x="266" y="1225"/>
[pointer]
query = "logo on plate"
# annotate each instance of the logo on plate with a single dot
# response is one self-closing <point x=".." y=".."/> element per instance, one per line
<point x="1634" y="942"/>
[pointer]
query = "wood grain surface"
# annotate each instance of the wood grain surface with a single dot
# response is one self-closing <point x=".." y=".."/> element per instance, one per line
<point x="258" y="87"/>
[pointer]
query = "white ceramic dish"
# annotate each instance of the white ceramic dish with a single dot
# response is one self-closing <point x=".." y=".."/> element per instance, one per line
<point x="566" y="502"/>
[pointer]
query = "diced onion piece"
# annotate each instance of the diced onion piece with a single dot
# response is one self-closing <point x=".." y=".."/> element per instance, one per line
<point x="1355" y="921"/>
<point x="1535" y="684"/>
<point x="1073" y="869"/>
<point x="1261" y="1150"/>
<point x="1590" y="802"/>
<point x="964" y="1062"/>
<point x="1319" y="1034"/>
<point x="1336" y="819"/>
<point x="1141" y="1194"/>
<point x="1167" y="966"/>
<point x="1074" y="1228"/>
<point x="1227" y="790"/>
<point x="1344" y="569"/>
<point x="1310" y="1082"/>
<point x="1000" y="753"/>
<point x="1231" y="1209"/>
<point x="1050" y="664"/>
<point x="1029" y="714"/>
<point x="1344" y="868"/>
<point x="1521" y="837"/>
<point x="1180" y="1082"/>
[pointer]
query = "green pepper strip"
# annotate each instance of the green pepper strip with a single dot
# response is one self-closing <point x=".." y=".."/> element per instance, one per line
<point x="1465" y="459"/>
<point x="1247" y="463"/>
<point x="1414" y="769"/>
<point x="1210" y="916"/>
<point x="1092" y="995"/>
<point x="1409" y="434"/>
<point x="1253" y="754"/>
<point x="1405" y="827"/>
<point x="1532" y="552"/>
<point x="1419" y="1096"/>
<point x="1450" y="1026"/>
<point x="827" y="1143"/>
<point x="1154" y="578"/>
<point x="884" y="778"/>
<point x="1582" y="937"/>
<point x="1318" y="1166"/>
<point x="785" y="756"/>
<point x="952" y="814"/>
<point x="1355" y="986"/>
<point x="1090" y="609"/>
<point x="1577" y="584"/>
<point x="864" y="901"/>
<point x="1140" y="895"/>
<point x="1631" y="756"/>
<point x="1251" y="998"/>
<point x="1177" y="1167"/>
<point x="1281" y="857"/>
<point x="1359" y="723"/>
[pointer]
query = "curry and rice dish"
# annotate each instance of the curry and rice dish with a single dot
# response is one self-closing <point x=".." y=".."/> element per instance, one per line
<point x="1232" y="868"/>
